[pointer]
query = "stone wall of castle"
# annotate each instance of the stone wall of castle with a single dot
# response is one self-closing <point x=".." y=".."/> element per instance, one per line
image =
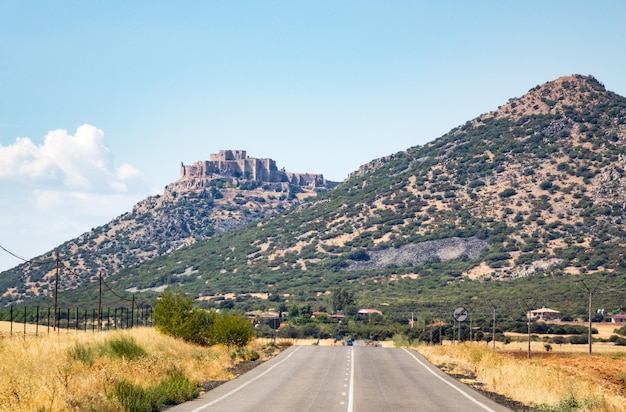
<point x="236" y="163"/>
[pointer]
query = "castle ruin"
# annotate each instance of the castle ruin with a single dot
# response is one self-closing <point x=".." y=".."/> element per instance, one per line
<point x="236" y="164"/>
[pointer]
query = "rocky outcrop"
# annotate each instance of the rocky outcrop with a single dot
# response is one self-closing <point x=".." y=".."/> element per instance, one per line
<point x="419" y="253"/>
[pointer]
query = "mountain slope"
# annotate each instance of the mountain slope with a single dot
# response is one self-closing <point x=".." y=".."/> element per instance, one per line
<point x="190" y="209"/>
<point x="531" y="193"/>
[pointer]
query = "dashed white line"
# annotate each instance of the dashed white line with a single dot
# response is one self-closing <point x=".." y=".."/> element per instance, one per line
<point x="351" y="396"/>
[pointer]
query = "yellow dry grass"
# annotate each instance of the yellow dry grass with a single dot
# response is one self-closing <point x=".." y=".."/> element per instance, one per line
<point x="595" y="382"/>
<point x="40" y="373"/>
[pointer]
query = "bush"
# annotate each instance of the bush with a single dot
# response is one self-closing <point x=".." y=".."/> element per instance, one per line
<point x="177" y="317"/>
<point x="559" y="340"/>
<point x="620" y="341"/>
<point x="577" y="340"/>
<point x="507" y="193"/>
<point x="176" y="388"/>
<point x="232" y="330"/>
<point x="245" y="354"/>
<point x="82" y="353"/>
<point x="135" y="398"/>
<point x="123" y="347"/>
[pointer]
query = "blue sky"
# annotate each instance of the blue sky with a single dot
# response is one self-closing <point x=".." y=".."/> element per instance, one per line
<point x="101" y="101"/>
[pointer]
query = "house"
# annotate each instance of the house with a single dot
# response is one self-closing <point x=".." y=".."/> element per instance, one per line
<point x="544" y="314"/>
<point x="621" y="318"/>
<point x="369" y="311"/>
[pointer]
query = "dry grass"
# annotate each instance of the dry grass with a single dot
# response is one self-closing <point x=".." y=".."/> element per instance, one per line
<point x="48" y="373"/>
<point x="548" y="380"/>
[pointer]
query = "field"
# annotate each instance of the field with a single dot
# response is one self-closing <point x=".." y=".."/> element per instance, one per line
<point x="45" y="373"/>
<point x="74" y="371"/>
<point x="566" y="378"/>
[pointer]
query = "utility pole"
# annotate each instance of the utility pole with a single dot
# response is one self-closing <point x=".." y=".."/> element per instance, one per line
<point x="590" y="290"/>
<point x="528" y="305"/>
<point x="56" y="293"/>
<point x="493" y="329"/>
<point x="100" y="300"/>
<point x="493" y="326"/>
<point x="132" y="320"/>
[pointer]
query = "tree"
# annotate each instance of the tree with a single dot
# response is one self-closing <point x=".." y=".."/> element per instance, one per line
<point x="341" y="298"/>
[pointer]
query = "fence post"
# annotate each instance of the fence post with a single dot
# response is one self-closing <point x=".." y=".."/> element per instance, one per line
<point x="24" y="322"/>
<point x="11" y="320"/>
<point x="132" y="313"/>
<point x="37" y="323"/>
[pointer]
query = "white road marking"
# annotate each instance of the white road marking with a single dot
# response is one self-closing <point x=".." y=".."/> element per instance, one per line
<point x="485" y="407"/>
<point x="238" y="388"/>
<point x="351" y="396"/>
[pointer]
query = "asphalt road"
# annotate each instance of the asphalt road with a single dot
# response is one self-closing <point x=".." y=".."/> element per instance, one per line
<point x="343" y="379"/>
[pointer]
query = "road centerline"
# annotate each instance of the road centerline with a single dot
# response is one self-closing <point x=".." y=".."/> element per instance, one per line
<point x="351" y="391"/>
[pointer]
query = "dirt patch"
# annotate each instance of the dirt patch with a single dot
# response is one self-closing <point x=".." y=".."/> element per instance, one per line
<point x="608" y="371"/>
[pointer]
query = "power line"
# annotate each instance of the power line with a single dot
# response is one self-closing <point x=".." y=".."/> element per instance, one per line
<point x="15" y="256"/>
<point x="20" y="257"/>
<point x="113" y="292"/>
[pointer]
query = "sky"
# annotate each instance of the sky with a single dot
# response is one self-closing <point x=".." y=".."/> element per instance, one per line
<point x="101" y="101"/>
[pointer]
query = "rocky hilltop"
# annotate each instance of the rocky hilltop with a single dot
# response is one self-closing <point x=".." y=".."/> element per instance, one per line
<point x="237" y="164"/>
<point x="210" y="197"/>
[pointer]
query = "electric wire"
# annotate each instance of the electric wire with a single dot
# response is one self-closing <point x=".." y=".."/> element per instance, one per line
<point x="32" y="261"/>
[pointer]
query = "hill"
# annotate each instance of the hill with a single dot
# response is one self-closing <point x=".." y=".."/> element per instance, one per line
<point x="210" y="197"/>
<point x="516" y="205"/>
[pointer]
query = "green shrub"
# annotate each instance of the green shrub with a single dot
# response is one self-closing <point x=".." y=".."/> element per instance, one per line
<point x="232" y="330"/>
<point x="245" y="354"/>
<point x="123" y="347"/>
<point x="177" y="388"/>
<point x="82" y="353"/>
<point x="177" y="317"/>
<point x="507" y="193"/>
<point x="134" y="398"/>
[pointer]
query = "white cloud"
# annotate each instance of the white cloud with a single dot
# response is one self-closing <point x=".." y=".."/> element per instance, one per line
<point x="57" y="190"/>
<point x="78" y="162"/>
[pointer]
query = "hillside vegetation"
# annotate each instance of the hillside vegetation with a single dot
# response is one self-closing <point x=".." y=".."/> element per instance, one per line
<point x="189" y="210"/>
<point x="512" y="209"/>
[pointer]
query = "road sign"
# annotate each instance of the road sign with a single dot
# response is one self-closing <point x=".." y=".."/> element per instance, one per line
<point x="274" y="323"/>
<point x="460" y="314"/>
